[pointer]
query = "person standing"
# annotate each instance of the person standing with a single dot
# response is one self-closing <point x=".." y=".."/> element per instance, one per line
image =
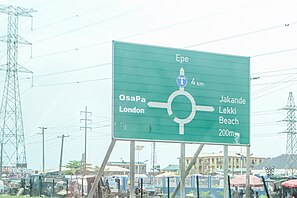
<point x="241" y="194"/>
<point x="235" y="193"/>
<point x="257" y="195"/>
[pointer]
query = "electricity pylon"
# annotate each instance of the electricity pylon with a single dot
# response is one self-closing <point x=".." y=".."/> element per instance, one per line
<point x="291" y="147"/>
<point x="11" y="120"/>
<point x="153" y="157"/>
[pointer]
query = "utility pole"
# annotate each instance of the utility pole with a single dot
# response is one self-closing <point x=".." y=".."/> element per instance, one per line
<point x="138" y="148"/>
<point x="43" y="157"/>
<point x="153" y="162"/>
<point x="86" y="121"/>
<point x="61" y="155"/>
<point x="11" y="120"/>
<point x="291" y="148"/>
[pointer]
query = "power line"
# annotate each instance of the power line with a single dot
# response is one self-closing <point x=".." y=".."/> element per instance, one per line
<point x="65" y="122"/>
<point x="272" y="92"/>
<point x="194" y="45"/>
<point x="73" y="82"/>
<point x="100" y="116"/>
<point x="74" y="70"/>
<point x="274" y="75"/>
<point x="75" y="16"/>
<point x="241" y="35"/>
<point x="265" y="125"/>
<point x="264" y="111"/>
<point x="59" y="127"/>
<point x="91" y="24"/>
<point x="264" y="114"/>
<point x="103" y="126"/>
<point x="50" y="127"/>
<point x="268" y="122"/>
<point x="66" y="71"/>
<point x="159" y="29"/>
<point x="100" y="79"/>
<point x="280" y="82"/>
<point x="108" y="63"/>
<point x="49" y="144"/>
<point x="274" y="52"/>
<point x="266" y="135"/>
<point x="123" y="14"/>
<point x="272" y="83"/>
<point x="269" y="86"/>
<point x="273" y="71"/>
<point x="285" y="80"/>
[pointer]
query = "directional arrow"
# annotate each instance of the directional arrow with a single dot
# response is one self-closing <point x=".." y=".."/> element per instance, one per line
<point x="205" y="108"/>
<point x="158" y="104"/>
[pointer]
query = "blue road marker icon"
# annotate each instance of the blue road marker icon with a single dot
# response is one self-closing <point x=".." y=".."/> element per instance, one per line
<point x="181" y="80"/>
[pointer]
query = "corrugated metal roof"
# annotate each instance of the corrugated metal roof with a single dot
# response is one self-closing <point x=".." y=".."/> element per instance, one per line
<point x="280" y="162"/>
<point x="171" y="167"/>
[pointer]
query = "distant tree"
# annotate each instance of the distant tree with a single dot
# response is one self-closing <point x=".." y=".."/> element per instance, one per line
<point x="205" y="194"/>
<point x="75" y="167"/>
<point x="221" y="193"/>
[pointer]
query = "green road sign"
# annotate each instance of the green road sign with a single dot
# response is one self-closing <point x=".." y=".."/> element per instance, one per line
<point x="176" y="95"/>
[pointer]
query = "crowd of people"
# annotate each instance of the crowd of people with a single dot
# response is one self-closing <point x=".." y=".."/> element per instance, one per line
<point x="273" y="194"/>
<point x="242" y="194"/>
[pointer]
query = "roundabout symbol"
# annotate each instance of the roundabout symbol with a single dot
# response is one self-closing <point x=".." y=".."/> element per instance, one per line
<point x="181" y="81"/>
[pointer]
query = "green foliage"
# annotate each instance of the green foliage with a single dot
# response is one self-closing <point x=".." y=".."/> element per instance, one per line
<point x="74" y="166"/>
<point x="205" y="194"/>
<point x="221" y="193"/>
<point x="7" y="196"/>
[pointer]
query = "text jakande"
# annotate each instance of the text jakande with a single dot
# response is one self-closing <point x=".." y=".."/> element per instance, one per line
<point x="228" y="99"/>
<point x="227" y="116"/>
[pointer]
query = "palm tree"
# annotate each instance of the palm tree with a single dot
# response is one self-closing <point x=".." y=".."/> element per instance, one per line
<point x="75" y="166"/>
<point x="75" y="169"/>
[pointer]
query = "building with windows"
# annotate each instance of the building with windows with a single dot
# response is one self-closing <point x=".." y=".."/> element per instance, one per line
<point x="211" y="163"/>
<point x="172" y="169"/>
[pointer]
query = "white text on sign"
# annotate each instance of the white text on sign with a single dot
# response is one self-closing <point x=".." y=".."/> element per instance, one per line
<point x="180" y="58"/>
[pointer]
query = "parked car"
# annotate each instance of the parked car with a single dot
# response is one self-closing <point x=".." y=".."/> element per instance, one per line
<point x="149" y="189"/>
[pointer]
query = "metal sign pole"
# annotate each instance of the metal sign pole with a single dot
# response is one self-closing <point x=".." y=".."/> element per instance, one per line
<point x="132" y="169"/>
<point x="265" y="187"/>
<point x="197" y="185"/>
<point x="248" y="193"/>
<point x="193" y="161"/>
<point x="182" y="169"/>
<point x="226" y="168"/>
<point x="229" y="187"/>
<point x="101" y="170"/>
<point x="168" y="187"/>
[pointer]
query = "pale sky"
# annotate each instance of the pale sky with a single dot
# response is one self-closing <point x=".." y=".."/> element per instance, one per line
<point x="72" y="65"/>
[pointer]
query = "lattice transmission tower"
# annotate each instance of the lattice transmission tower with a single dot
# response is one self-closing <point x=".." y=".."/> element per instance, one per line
<point x="291" y="147"/>
<point x="153" y="157"/>
<point x="11" y="120"/>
